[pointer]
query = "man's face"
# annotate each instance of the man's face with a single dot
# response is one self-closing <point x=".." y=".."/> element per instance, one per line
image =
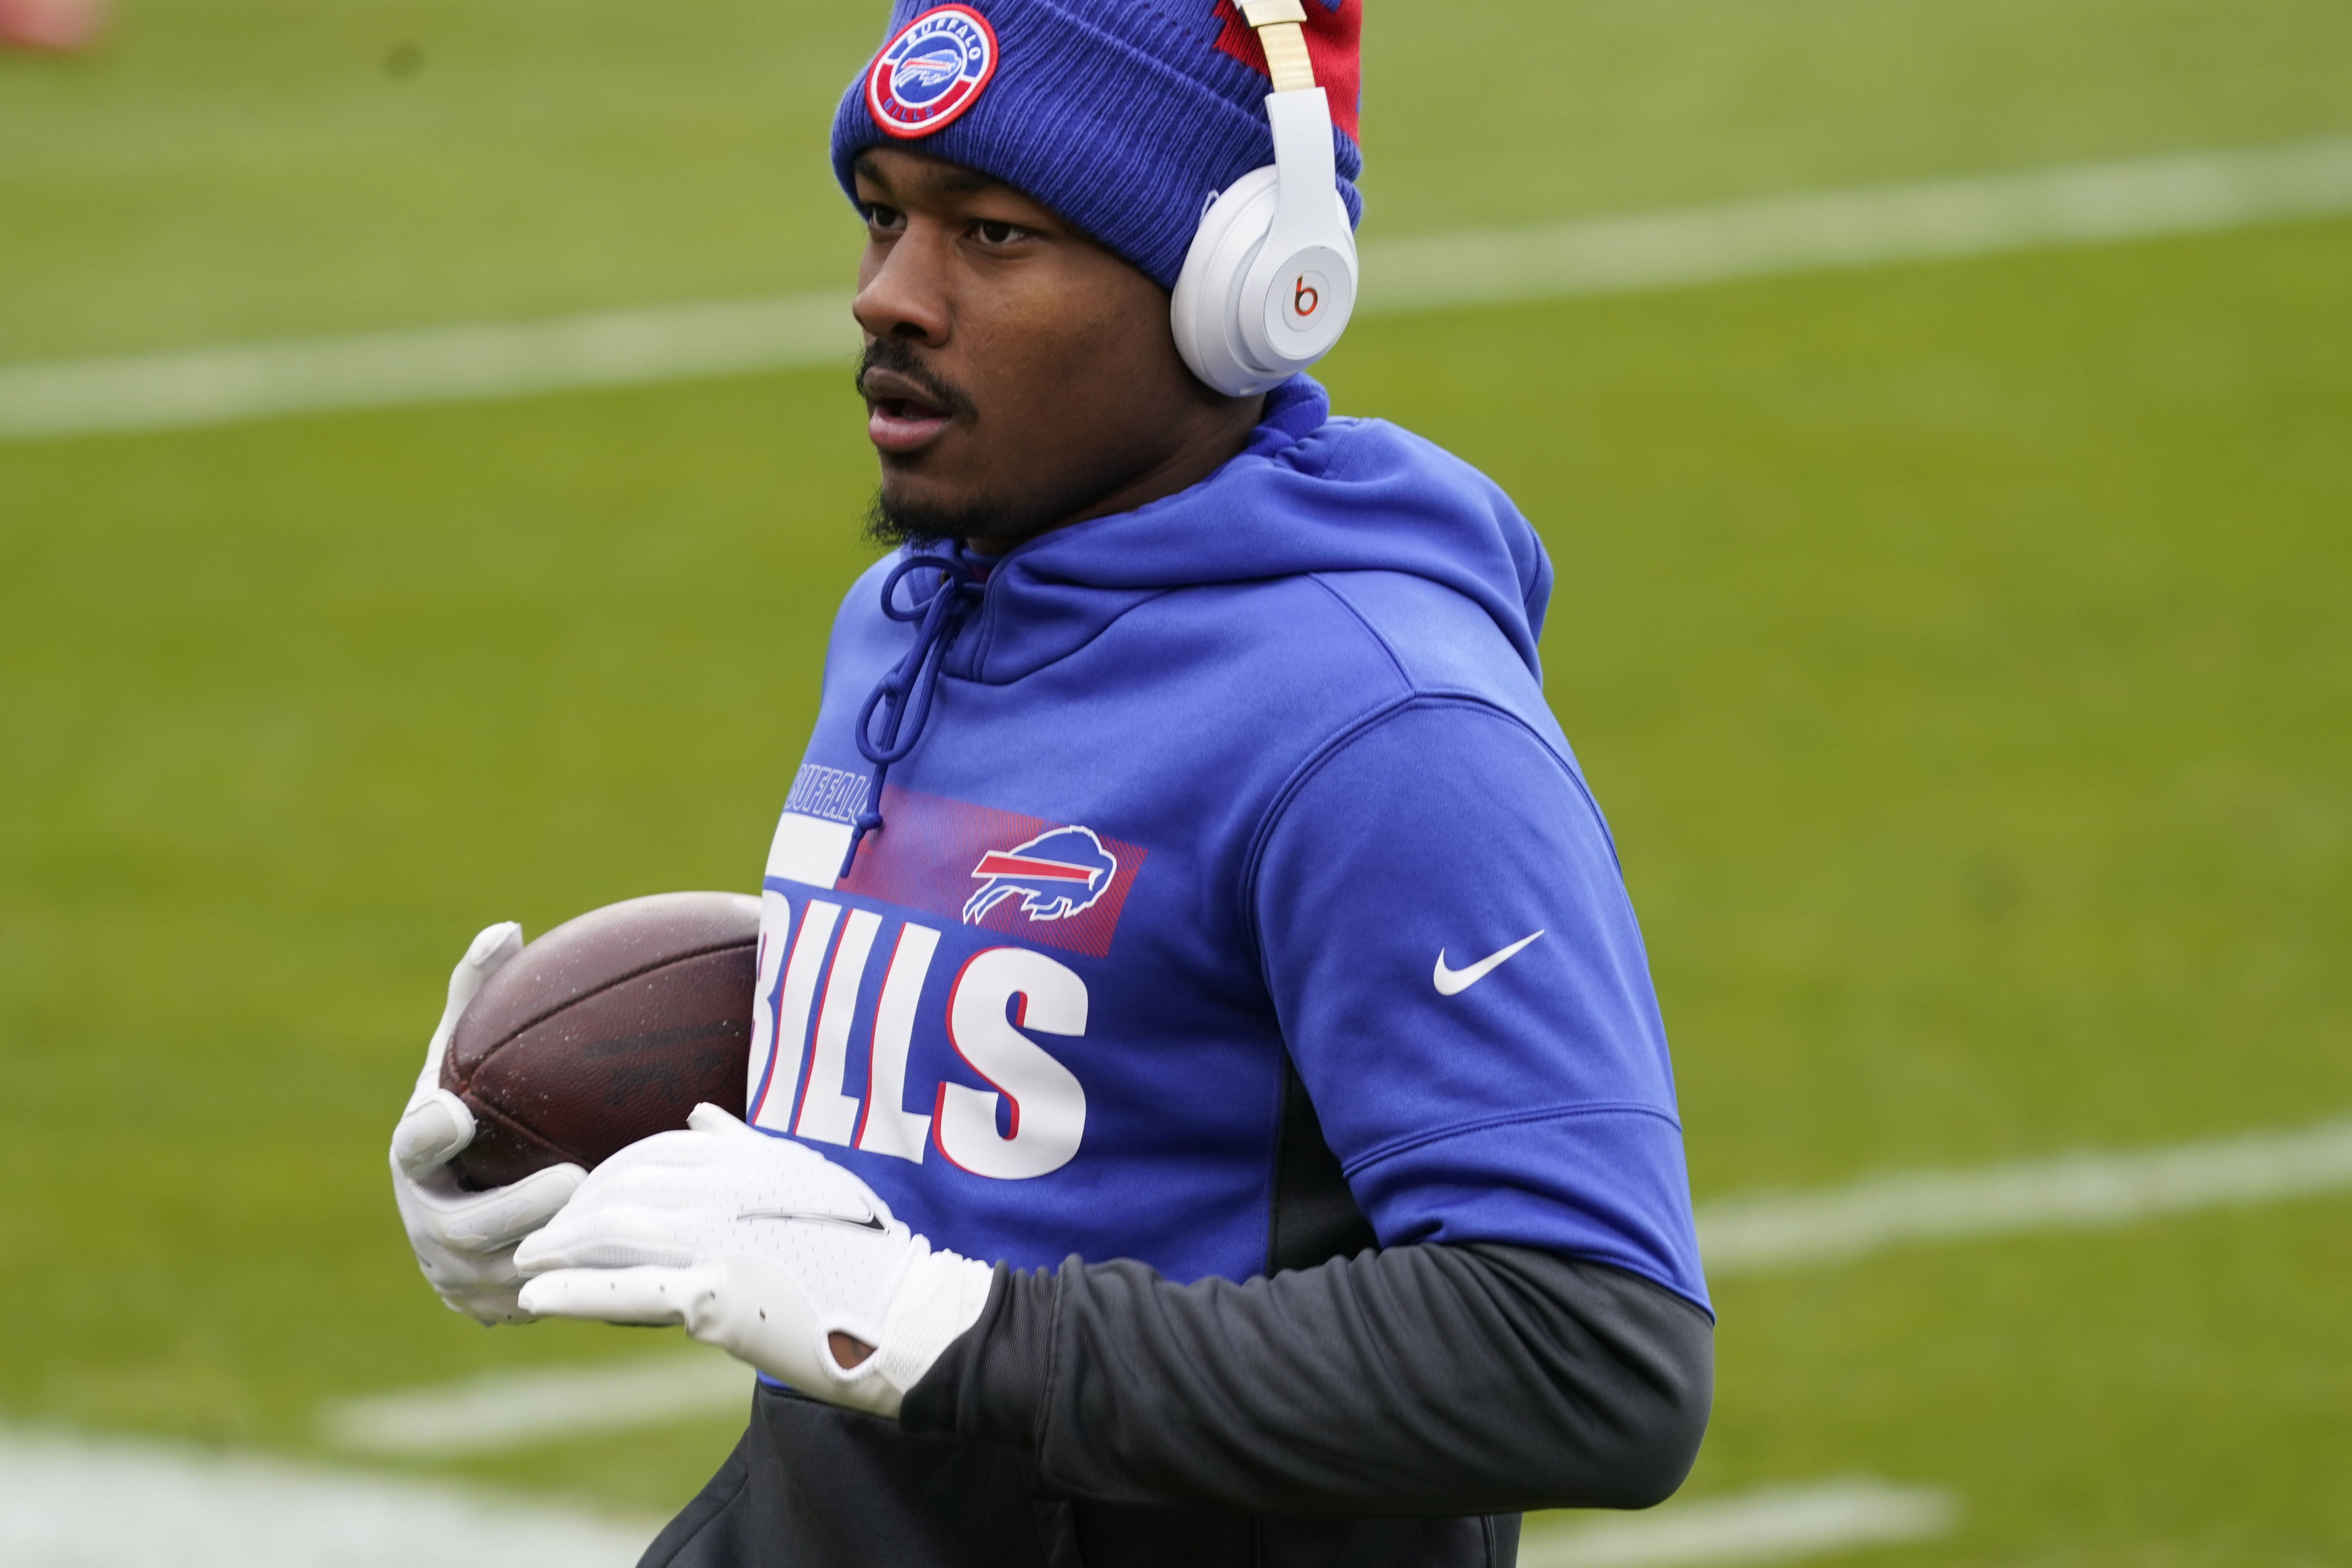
<point x="1017" y="374"/>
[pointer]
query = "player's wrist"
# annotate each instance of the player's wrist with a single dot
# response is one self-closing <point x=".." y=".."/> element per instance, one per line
<point x="942" y="1298"/>
<point x="938" y="1300"/>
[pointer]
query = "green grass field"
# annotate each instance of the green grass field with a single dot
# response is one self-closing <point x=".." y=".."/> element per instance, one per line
<point x="1962" y="653"/>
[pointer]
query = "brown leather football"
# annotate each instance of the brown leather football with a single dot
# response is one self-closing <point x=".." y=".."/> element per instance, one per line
<point x="607" y="1029"/>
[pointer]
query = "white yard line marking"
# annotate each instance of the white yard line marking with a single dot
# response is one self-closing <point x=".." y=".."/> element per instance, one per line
<point x="1749" y="1235"/>
<point x="82" y="1502"/>
<point x="2082" y="204"/>
<point x="508" y="1410"/>
<point x="1736" y="1236"/>
<point x="2089" y="203"/>
<point x="438" y="364"/>
<point x="1773" y="1524"/>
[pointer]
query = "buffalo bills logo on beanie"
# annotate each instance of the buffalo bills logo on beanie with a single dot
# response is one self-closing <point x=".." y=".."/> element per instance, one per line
<point x="931" y="72"/>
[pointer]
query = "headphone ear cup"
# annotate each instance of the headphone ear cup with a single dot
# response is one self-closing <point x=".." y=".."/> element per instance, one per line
<point x="1205" y="311"/>
<point x="1296" y="302"/>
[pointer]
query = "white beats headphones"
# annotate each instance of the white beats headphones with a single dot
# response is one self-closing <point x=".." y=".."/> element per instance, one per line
<point x="1270" y="281"/>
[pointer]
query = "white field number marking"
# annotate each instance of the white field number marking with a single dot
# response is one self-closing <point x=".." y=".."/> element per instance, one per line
<point x="2090" y="203"/>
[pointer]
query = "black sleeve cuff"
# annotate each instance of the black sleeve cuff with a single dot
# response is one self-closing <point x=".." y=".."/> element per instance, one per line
<point x="988" y="1384"/>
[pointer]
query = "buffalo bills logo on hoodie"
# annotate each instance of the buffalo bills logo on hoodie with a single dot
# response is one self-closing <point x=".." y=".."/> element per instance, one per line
<point x="1055" y="875"/>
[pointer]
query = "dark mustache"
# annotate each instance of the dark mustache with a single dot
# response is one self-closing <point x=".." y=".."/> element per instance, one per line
<point x="899" y="356"/>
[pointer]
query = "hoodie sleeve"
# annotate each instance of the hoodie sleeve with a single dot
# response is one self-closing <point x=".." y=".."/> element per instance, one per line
<point x="1417" y="1381"/>
<point x="1447" y="938"/>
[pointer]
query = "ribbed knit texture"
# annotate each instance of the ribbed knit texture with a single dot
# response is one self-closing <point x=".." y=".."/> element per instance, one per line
<point x="1125" y="118"/>
<point x="941" y="1296"/>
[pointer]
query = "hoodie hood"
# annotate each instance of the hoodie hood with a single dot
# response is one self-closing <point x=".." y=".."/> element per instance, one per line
<point x="1310" y="493"/>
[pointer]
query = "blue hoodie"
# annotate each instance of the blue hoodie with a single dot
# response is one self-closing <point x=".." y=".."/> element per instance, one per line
<point x="1255" y="779"/>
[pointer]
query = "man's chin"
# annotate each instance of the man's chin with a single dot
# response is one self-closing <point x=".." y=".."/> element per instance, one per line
<point x="905" y="513"/>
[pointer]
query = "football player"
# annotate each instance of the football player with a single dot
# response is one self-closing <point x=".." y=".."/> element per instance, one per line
<point x="1207" y="1103"/>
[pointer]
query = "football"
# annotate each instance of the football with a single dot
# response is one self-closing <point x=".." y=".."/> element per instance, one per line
<point x="607" y="1029"/>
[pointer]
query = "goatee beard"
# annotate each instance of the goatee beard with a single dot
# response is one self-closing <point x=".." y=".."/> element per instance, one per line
<point x="893" y="525"/>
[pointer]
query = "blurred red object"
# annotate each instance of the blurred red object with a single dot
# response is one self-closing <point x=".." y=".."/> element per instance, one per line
<point x="60" y="27"/>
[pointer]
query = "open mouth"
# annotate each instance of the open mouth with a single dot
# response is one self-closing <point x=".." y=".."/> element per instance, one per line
<point x="903" y="425"/>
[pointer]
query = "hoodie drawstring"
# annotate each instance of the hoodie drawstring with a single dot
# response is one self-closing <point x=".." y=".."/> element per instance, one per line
<point x="905" y="694"/>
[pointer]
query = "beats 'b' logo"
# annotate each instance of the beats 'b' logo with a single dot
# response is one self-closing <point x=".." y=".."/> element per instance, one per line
<point x="931" y="72"/>
<point x="1307" y="291"/>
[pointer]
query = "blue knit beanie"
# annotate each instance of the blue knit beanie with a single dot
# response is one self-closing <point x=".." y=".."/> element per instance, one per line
<point x="1123" y="116"/>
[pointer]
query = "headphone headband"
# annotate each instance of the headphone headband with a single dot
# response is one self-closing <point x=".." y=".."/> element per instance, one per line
<point x="1281" y="27"/>
<point x="1270" y="280"/>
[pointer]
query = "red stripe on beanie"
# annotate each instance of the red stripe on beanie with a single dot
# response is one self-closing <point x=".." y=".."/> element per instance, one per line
<point x="1333" y="31"/>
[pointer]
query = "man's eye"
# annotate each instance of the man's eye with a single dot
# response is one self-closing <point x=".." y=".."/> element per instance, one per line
<point x="994" y="232"/>
<point x="885" y="217"/>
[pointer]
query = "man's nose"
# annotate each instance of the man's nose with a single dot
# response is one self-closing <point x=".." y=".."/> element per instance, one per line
<point x="906" y="297"/>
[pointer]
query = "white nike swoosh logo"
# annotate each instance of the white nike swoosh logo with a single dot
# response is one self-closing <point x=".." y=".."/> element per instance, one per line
<point x="866" y="1221"/>
<point x="1454" y="982"/>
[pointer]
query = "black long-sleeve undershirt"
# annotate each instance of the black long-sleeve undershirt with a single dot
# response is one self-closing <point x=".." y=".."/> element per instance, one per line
<point x="1421" y="1380"/>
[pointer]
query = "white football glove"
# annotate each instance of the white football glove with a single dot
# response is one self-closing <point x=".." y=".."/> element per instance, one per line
<point x="464" y="1241"/>
<point x="760" y="1247"/>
